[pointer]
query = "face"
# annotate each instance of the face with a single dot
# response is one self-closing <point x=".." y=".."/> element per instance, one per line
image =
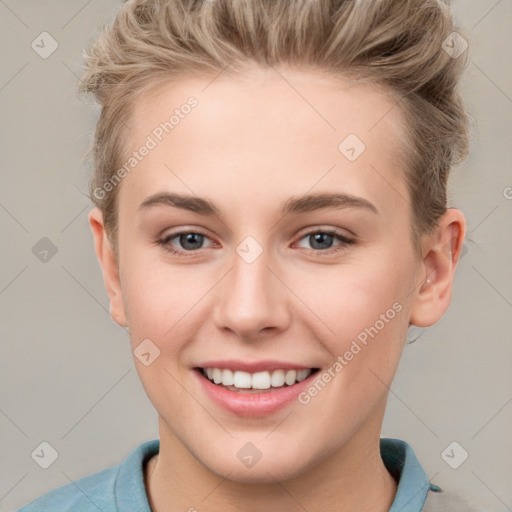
<point x="299" y="266"/>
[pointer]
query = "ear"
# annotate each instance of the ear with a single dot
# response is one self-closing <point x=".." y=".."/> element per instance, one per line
<point x="441" y="253"/>
<point x="109" y="266"/>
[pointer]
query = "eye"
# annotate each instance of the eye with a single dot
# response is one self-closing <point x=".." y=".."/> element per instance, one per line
<point x="321" y="241"/>
<point x="190" y="241"/>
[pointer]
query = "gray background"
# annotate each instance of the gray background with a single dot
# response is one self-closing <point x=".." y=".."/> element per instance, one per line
<point x="68" y="377"/>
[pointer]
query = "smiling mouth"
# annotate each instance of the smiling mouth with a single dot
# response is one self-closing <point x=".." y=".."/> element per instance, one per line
<point x="258" y="382"/>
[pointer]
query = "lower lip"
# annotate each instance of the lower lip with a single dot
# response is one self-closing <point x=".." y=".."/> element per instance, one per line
<point x="253" y="404"/>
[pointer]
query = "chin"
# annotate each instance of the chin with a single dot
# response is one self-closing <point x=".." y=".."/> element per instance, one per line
<point x="262" y="472"/>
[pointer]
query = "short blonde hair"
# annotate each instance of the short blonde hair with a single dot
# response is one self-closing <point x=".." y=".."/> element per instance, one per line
<point x="395" y="44"/>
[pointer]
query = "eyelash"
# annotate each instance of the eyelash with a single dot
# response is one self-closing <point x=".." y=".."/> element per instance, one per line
<point x="345" y="241"/>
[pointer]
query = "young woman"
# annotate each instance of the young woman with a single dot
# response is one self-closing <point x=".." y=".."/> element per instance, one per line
<point x="270" y="219"/>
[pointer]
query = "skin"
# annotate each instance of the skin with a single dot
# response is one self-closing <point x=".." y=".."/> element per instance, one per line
<point x="251" y="144"/>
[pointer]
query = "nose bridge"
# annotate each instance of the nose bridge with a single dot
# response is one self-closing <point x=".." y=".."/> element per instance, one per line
<point x="252" y="298"/>
<point x="251" y="272"/>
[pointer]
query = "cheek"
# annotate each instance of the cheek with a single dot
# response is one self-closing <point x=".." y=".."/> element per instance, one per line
<point x="158" y="295"/>
<point x="352" y="297"/>
<point x="366" y="305"/>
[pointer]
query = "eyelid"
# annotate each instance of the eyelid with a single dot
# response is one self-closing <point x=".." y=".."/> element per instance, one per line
<point x="331" y="230"/>
<point x="183" y="231"/>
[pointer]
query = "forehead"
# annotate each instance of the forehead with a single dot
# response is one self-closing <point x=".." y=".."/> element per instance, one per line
<point x="269" y="130"/>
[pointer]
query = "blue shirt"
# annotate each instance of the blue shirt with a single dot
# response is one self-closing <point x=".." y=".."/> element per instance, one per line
<point x="121" y="488"/>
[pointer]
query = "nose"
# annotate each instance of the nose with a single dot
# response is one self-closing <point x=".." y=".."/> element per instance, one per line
<point x="252" y="299"/>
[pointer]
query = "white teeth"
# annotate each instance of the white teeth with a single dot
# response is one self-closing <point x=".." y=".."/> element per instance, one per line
<point x="227" y="377"/>
<point x="258" y="380"/>
<point x="302" y="374"/>
<point x="290" y="377"/>
<point x="261" y="380"/>
<point x="242" y="380"/>
<point x="217" y="375"/>
<point x="277" y="378"/>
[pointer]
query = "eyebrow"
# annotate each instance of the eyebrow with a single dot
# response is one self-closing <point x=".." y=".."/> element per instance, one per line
<point x="303" y="204"/>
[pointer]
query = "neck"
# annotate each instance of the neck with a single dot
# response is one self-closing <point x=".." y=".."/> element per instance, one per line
<point x="352" y="478"/>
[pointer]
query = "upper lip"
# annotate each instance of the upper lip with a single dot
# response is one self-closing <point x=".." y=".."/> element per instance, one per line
<point x="254" y="366"/>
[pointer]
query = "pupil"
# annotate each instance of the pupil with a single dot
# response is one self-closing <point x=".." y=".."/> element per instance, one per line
<point x="320" y="237"/>
<point x="190" y="238"/>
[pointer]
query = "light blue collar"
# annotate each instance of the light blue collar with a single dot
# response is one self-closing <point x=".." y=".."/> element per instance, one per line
<point x="413" y="483"/>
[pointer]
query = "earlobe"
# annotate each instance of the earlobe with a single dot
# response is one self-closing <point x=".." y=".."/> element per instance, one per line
<point x="442" y="251"/>
<point x="109" y="266"/>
